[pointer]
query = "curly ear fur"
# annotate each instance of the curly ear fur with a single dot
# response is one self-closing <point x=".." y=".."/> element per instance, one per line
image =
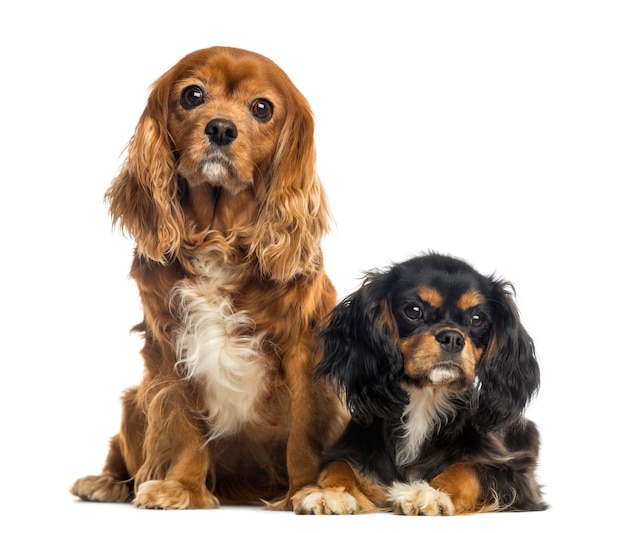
<point x="360" y="353"/>
<point x="143" y="198"/>
<point x="294" y="216"/>
<point x="509" y="372"/>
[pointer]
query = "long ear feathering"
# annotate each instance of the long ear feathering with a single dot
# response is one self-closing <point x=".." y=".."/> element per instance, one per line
<point x="143" y="198"/>
<point x="509" y="373"/>
<point x="360" y="353"/>
<point x="294" y="217"/>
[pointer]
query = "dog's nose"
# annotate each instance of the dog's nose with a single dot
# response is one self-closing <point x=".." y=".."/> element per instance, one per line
<point x="450" y="340"/>
<point x="221" y="131"/>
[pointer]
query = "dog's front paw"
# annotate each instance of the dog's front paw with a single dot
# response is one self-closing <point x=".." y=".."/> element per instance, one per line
<point x="419" y="498"/>
<point x="334" y="500"/>
<point x="171" y="494"/>
<point x="101" y="488"/>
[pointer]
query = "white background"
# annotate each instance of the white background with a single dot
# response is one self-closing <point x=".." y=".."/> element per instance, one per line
<point x="494" y="131"/>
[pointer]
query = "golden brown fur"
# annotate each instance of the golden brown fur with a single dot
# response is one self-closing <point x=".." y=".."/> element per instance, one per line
<point x="227" y="213"/>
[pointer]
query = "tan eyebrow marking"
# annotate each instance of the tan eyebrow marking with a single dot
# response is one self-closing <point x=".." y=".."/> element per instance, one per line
<point x="469" y="299"/>
<point x="431" y="296"/>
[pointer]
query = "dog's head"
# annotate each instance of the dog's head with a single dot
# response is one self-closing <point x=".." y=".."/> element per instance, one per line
<point x="432" y="321"/>
<point x="224" y="109"/>
<point x="224" y="123"/>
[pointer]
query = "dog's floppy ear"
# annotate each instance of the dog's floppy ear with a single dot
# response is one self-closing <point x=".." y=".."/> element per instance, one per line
<point x="294" y="215"/>
<point x="508" y="373"/>
<point x="143" y="198"/>
<point x="360" y="353"/>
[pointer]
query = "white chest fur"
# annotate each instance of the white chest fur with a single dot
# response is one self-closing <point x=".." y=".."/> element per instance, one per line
<point x="427" y="409"/>
<point x="220" y="349"/>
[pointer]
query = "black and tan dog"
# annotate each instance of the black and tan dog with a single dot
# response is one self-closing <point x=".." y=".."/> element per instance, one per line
<point x="436" y="370"/>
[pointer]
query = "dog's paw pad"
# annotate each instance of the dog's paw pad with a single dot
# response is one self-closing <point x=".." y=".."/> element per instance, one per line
<point x="329" y="501"/>
<point x="101" y="489"/>
<point x="419" y="498"/>
<point x="170" y="494"/>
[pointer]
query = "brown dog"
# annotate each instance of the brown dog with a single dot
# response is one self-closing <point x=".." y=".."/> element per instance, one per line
<point x="220" y="193"/>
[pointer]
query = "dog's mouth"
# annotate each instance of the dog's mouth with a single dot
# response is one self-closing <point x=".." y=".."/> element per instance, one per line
<point x="216" y="168"/>
<point x="219" y="171"/>
<point x="444" y="374"/>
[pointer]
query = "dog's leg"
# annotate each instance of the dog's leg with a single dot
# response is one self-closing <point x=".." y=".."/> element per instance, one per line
<point x="460" y="481"/>
<point x="115" y="483"/>
<point x="160" y="451"/>
<point x="162" y="455"/>
<point x="174" y="472"/>
<point x="339" y="490"/>
<point x="313" y="422"/>
<point x="303" y="445"/>
<point x="112" y="485"/>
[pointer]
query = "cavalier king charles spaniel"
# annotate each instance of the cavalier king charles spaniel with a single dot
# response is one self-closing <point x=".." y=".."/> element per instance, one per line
<point x="220" y="195"/>
<point x="436" y="370"/>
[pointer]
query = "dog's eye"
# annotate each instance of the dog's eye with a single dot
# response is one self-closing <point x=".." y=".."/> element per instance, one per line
<point x="477" y="320"/>
<point x="191" y="97"/>
<point x="414" y="312"/>
<point x="261" y="109"/>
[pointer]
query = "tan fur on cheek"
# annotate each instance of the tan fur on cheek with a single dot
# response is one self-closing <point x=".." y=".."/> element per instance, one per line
<point x="420" y="352"/>
<point x="474" y="355"/>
